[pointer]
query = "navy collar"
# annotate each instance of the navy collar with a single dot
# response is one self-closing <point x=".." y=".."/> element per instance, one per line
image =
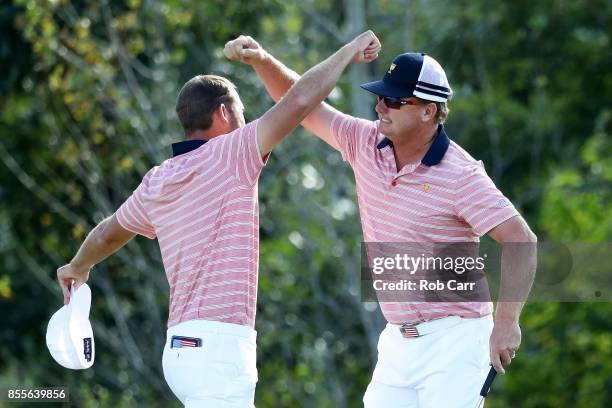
<point x="436" y="151"/>
<point x="186" y="146"/>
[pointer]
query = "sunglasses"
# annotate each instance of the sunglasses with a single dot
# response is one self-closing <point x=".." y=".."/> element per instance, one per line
<point x="392" y="102"/>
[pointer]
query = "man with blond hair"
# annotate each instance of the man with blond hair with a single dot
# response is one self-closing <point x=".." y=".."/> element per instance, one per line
<point x="415" y="185"/>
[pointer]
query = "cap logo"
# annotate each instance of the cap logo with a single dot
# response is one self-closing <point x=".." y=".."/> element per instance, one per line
<point x="87" y="348"/>
<point x="391" y="68"/>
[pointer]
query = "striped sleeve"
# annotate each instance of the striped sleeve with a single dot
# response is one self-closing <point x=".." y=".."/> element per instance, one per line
<point x="350" y="132"/>
<point x="480" y="203"/>
<point x="239" y="149"/>
<point x="132" y="215"/>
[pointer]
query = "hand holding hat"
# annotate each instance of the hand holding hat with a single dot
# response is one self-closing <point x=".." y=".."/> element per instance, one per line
<point x="70" y="276"/>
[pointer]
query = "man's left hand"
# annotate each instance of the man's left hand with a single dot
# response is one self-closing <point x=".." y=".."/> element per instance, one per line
<point x="505" y="340"/>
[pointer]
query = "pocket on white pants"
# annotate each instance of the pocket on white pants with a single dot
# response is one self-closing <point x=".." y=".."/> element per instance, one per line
<point x="183" y="369"/>
<point x="224" y="367"/>
<point x="244" y="352"/>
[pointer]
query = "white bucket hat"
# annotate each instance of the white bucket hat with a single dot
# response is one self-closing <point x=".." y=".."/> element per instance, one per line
<point x="69" y="334"/>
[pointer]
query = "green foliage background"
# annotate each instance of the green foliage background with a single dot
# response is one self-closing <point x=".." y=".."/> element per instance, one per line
<point x="87" y="97"/>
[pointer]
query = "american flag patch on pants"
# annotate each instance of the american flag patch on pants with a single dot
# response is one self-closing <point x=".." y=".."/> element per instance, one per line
<point x="181" y="341"/>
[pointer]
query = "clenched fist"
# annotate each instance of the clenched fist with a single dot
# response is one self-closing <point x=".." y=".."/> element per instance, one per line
<point x="368" y="46"/>
<point x="244" y="49"/>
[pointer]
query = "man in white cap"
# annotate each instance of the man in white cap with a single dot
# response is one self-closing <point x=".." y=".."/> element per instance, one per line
<point x="415" y="185"/>
<point x="202" y="206"/>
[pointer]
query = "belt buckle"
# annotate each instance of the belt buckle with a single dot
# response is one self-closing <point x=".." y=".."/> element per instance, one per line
<point x="409" y="330"/>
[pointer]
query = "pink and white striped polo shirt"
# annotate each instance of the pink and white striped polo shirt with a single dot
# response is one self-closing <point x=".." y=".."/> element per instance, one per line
<point x="202" y="206"/>
<point x="446" y="197"/>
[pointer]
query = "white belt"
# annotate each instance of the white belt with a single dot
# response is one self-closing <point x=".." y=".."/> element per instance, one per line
<point x="417" y="330"/>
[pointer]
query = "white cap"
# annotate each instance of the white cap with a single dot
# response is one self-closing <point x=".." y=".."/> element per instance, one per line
<point x="69" y="334"/>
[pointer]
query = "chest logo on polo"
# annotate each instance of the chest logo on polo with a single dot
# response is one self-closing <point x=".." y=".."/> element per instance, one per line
<point x="391" y="68"/>
<point x="425" y="187"/>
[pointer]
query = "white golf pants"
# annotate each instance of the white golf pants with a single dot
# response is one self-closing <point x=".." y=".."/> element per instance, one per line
<point x="219" y="373"/>
<point x="445" y="367"/>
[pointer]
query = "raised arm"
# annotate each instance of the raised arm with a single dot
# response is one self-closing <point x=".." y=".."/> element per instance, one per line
<point x="278" y="79"/>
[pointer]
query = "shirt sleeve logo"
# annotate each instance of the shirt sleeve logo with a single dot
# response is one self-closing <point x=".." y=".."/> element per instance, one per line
<point x="502" y="203"/>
